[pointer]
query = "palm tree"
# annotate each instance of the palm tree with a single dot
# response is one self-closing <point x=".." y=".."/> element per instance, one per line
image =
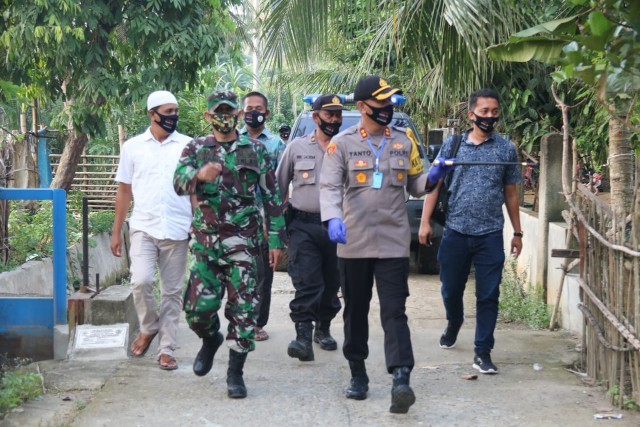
<point x="434" y="49"/>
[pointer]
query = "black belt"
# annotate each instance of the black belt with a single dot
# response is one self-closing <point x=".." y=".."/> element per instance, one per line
<point x="306" y="216"/>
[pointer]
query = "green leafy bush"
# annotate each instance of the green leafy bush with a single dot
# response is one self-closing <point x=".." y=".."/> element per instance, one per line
<point x="516" y="305"/>
<point x="17" y="387"/>
<point x="30" y="231"/>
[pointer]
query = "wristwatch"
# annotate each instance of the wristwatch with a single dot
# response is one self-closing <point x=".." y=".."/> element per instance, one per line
<point x="518" y="234"/>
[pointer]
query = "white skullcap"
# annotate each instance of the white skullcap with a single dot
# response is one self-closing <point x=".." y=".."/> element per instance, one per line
<point x="160" y="97"/>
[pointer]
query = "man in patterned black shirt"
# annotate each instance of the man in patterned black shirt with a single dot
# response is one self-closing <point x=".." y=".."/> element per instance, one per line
<point x="474" y="226"/>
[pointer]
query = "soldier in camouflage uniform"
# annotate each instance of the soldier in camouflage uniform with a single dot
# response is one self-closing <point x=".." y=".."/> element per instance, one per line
<point x="221" y="173"/>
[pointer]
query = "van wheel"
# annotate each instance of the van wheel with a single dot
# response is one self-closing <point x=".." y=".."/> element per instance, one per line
<point x="427" y="258"/>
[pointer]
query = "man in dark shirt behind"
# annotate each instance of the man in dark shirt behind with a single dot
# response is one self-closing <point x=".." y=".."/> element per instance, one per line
<point x="474" y="226"/>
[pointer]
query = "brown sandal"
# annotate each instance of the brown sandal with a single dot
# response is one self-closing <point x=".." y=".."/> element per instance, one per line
<point x="168" y="362"/>
<point x="261" y="335"/>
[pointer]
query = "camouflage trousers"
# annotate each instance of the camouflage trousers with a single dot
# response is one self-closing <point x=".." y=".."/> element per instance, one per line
<point x="221" y="266"/>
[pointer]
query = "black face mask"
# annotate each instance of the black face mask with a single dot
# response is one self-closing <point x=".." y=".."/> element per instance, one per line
<point x="485" y="124"/>
<point x="330" y="129"/>
<point x="382" y="116"/>
<point x="168" y="123"/>
<point x="254" y="119"/>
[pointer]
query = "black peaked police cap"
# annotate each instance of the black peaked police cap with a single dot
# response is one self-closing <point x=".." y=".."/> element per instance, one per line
<point x="373" y="87"/>
<point x="329" y="102"/>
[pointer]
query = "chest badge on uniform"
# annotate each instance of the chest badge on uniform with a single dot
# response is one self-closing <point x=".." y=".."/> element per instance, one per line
<point x="397" y="145"/>
<point x="361" y="177"/>
<point x="305" y="175"/>
<point x="400" y="176"/>
<point x="331" y="148"/>
<point x="401" y="162"/>
<point x="360" y="164"/>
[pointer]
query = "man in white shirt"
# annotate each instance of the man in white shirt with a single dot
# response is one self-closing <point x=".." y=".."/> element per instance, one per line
<point x="159" y="225"/>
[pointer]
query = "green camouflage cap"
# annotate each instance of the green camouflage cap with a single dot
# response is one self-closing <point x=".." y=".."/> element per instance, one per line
<point x="220" y="97"/>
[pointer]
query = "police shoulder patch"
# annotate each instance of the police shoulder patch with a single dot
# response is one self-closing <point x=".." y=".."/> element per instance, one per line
<point x="331" y="148"/>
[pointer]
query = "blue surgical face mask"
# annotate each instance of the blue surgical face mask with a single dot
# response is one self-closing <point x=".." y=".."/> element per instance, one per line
<point x="254" y="119"/>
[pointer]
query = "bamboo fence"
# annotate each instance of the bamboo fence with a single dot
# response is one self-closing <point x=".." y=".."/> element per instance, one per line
<point x="610" y="295"/>
<point x="95" y="177"/>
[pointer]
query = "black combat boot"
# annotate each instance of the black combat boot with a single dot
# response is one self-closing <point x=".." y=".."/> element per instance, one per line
<point x="402" y="396"/>
<point x="359" y="381"/>
<point x="235" y="384"/>
<point x="302" y="347"/>
<point x="323" y="337"/>
<point x="204" y="359"/>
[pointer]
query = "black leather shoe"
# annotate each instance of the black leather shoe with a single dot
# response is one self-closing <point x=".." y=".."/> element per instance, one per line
<point x="322" y="336"/>
<point x="204" y="359"/>
<point x="358" y="388"/>
<point x="302" y="348"/>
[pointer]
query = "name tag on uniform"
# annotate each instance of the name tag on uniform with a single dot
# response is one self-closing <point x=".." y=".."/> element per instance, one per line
<point x="377" y="180"/>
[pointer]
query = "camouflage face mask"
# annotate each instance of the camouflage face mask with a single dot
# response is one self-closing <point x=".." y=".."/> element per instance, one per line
<point x="224" y="122"/>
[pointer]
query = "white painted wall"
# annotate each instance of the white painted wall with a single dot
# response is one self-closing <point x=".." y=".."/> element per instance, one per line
<point x="570" y="317"/>
<point x="528" y="259"/>
<point x="35" y="278"/>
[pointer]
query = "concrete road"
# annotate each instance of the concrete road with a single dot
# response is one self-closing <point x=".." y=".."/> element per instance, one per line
<point x="285" y="392"/>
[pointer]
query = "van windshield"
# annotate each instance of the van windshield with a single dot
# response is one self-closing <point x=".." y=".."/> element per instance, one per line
<point x="306" y="125"/>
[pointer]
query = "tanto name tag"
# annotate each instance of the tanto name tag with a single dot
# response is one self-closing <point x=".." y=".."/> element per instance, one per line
<point x="377" y="180"/>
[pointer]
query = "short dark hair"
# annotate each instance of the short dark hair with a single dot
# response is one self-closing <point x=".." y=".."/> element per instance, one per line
<point x="256" y="93"/>
<point x="482" y="93"/>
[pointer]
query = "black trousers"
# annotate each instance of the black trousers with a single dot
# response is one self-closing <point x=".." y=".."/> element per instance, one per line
<point x="313" y="268"/>
<point x="392" y="275"/>
<point x="265" y="281"/>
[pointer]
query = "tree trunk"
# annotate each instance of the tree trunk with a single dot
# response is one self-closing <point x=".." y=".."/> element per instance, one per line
<point x="69" y="160"/>
<point x="34" y="128"/>
<point x="636" y="244"/>
<point x="24" y="173"/>
<point x="120" y="138"/>
<point x="621" y="166"/>
<point x="5" y="171"/>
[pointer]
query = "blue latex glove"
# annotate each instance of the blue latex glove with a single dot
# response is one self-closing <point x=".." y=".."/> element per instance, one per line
<point x="337" y="231"/>
<point x="438" y="169"/>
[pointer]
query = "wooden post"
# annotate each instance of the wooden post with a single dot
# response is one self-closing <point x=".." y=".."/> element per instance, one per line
<point x="550" y="202"/>
<point x="34" y="127"/>
<point x="120" y="137"/>
<point x="23" y="123"/>
<point x="85" y="177"/>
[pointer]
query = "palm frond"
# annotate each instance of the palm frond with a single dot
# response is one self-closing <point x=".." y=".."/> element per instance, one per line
<point x="434" y="49"/>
